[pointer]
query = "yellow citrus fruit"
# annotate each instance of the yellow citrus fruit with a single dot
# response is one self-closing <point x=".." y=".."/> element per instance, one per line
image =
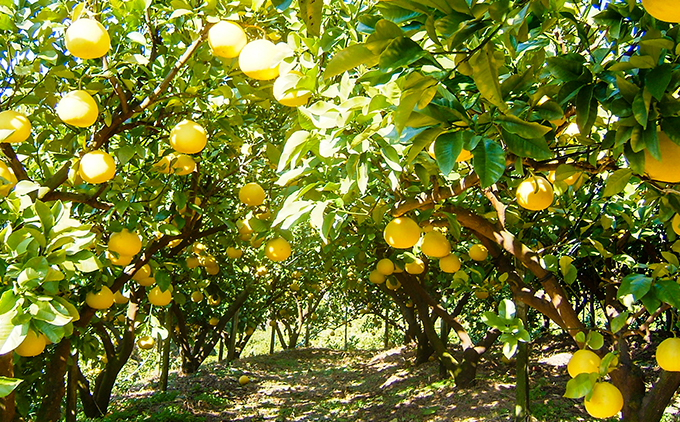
<point x="285" y="91"/>
<point x="214" y="300"/>
<point x="463" y="156"/>
<point x="188" y="137"/>
<point x="243" y="380"/>
<point x="385" y="266"/>
<point x="192" y="262"/>
<point x="87" y="39"/>
<point x="97" y="167"/>
<point x="668" y="354"/>
<point x="295" y="287"/>
<point x="666" y="170"/>
<point x="675" y="223"/>
<point x="243" y="227"/>
<point x="416" y="266"/>
<point x="142" y="273"/>
<point x="119" y="298"/>
<point x="535" y="193"/>
<point x="605" y="402"/>
<point x="259" y="59"/>
<point x="233" y="252"/>
<point x="583" y="362"/>
<point x="256" y="241"/>
<point x="392" y="283"/>
<point x="251" y="194"/>
<point x="120" y="260"/>
<point x="571" y="180"/>
<point x="264" y="215"/>
<point x="180" y="164"/>
<point x="376" y="277"/>
<point x="449" y="264"/>
<point x="212" y="269"/>
<point x="78" y="108"/>
<point x="402" y="233"/>
<point x="663" y="10"/>
<point x="146" y="342"/>
<point x="32" y="345"/>
<point x="148" y="281"/>
<point x="159" y="297"/>
<point x="478" y="252"/>
<point x="435" y="245"/>
<point x="213" y="321"/>
<point x="196" y="296"/>
<point x="227" y="39"/>
<point x="7" y="179"/>
<point x="277" y="249"/>
<point x="125" y="242"/>
<point x="198" y="248"/>
<point x="102" y="299"/>
<point x="19" y="123"/>
<point x="481" y="294"/>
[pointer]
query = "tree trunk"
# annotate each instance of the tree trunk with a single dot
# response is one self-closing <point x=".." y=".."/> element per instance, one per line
<point x="386" y="333"/>
<point x="231" y="349"/>
<point x="7" y="405"/>
<point x="72" y="392"/>
<point x="54" y="387"/>
<point x="272" y="341"/>
<point x="165" y="359"/>
<point x="522" y="410"/>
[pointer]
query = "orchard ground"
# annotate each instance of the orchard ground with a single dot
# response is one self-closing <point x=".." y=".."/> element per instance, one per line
<point x="319" y="384"/>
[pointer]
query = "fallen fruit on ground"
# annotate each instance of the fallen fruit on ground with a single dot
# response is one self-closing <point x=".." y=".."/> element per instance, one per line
<point x="243" y="380"/>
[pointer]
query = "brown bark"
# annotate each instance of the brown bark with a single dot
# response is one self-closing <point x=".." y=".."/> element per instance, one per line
<point x="54" y="388"/>
<point x="7" y="405"/>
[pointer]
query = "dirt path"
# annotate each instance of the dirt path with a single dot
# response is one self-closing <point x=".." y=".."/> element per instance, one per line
<point x="325" y="385"/>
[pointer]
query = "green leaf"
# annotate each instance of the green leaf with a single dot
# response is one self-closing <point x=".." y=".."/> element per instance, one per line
<point x="580" y="386"/>
<point x="532" y="148"/>
<point x="7" y="385"/>
<point x="422" y="140"/>
<point x="668" y="291"/>
<point x="641" y="104"/>
<point x="312" y="12"/>
<point x="617" y="182"/>
<point x="402" y="51"/>
<point x="657" y="80"/>
<point x="489" y="162"/>
<point x="586" y="109"/>
<point x="506" y="309"/>
<point x="619" y="322"/>
<point x="295" y="145"/>
<point x="447" y="148"/>
<point x="349" y="58"/>
<point x="485" y="75"/>
<point x="527" y="130"/>
<point x="580" y="337"/>
<point x="566" y="68"/>
<point x="595" y="340"/>
<point x="636" y="285"/>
